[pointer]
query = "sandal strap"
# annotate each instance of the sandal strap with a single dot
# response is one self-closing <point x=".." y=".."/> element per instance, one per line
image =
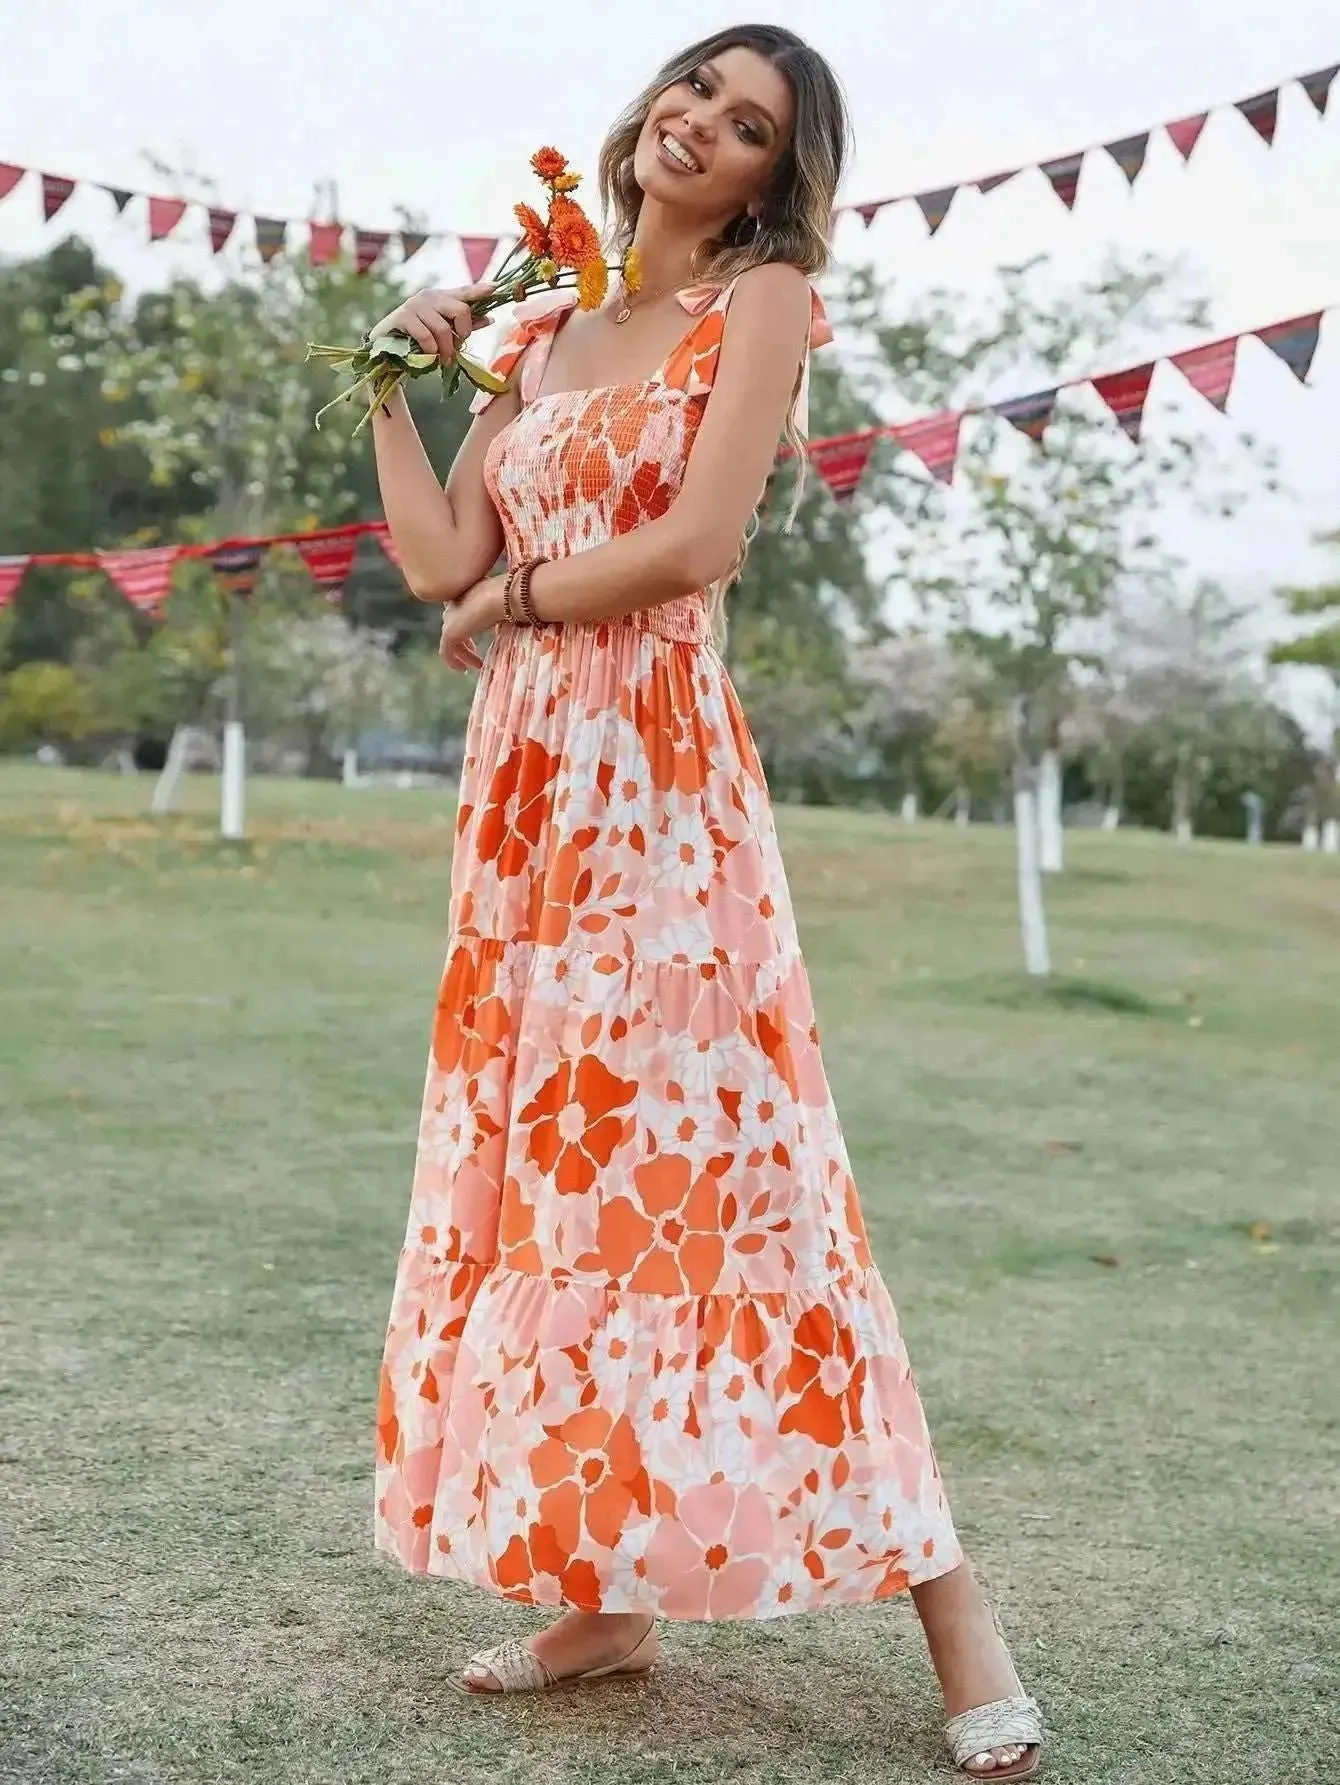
<point x="514" y="1667"/>
<point x="1007" y="1722"/>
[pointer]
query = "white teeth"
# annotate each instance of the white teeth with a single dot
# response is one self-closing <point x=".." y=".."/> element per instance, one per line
<point x="675" y="148"/>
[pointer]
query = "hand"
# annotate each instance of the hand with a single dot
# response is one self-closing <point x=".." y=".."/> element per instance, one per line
<point x="478" y="610"/>
<point x="438" y="320"/>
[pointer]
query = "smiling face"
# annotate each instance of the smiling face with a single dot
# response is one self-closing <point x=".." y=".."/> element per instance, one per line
<point x="712" y="140"/>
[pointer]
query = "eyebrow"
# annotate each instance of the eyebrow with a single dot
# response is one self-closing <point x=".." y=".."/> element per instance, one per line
<point x="752" y="105"/>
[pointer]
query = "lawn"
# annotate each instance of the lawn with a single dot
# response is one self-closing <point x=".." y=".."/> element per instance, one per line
<point x="1109" y="1213"/>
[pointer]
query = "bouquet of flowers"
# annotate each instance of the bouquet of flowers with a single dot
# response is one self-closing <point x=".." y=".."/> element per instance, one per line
<point x="558" y="251"/>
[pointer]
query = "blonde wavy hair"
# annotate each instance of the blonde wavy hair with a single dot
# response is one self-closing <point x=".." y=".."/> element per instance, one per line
<point x="795" y="218"/>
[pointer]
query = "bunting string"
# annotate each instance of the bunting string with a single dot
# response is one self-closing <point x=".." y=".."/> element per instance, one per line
<point x="326" y="241"/>
<point x="144" y="574"/>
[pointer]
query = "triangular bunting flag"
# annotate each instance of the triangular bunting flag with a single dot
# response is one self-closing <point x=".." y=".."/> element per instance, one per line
<point x="120" y="197"/>
<point x="369" y="245"/>
<point x="237" y="566"/>
<point x="220" y="228"/>
<point x="323" y="243"/>
<point x="1064" y="176"/>
<point x="1129" y="154"/>
<point x="11" y="575"/>
<point x="270" y="233"/>
<point x="935" y="206"/>
<point x="841" y="463"/>
<point x="382" y="534"/>
<point x="1125" y="393"/>
<point x="9" y="177"/>
<point x="55" y="191"/>
<point x="1317" y="87"/>
<point x="1262" y="113"/>
<point x="1294" y="341"/>
<point x="868" y="213"/>
<point x="478" y="252"/>
<point x="990" y="183"/>
<point x="411" y="240"/>
<point x="164" y="216"/>
<point x="1210" y="369"/>
<point x="143" y="577"/>
<point x="934" y="441"/>
<point x="1031" y="415"/>
<point x="1185" y="133"/>
<point x="329" y="560"/>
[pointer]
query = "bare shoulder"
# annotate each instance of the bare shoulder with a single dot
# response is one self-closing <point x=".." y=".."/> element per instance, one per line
<point x="776" y="290"/>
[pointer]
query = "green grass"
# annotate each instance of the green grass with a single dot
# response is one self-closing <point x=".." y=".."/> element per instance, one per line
<point x="211" y="1060"/>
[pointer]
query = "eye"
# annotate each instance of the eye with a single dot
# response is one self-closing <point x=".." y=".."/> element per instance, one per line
<point x="699" y="85"/>
<point x="749" y="133"/>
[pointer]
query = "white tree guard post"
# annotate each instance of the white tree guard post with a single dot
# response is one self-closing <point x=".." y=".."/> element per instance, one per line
<point x="1032" y="910"/>
<point x="1111" y="818"/>
<point x="1330" y="837"/>
<point x="1051" y="838"/>
<point x="910" y="808"/>
<point x="1311" y="836"/>
<point x="349" y="769"/>
<point x="962" y="809"/>
<point x="1255" y="812"/>
<point x="232" y="804"/>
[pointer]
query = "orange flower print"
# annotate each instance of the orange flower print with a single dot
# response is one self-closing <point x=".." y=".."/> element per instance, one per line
<point x="639" y="1356"/>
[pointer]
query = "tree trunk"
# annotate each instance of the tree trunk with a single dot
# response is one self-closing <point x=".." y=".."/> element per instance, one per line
<point x="1330" y="837"/>
<point x="1255" y="813"/>
<point x="349" y="769"/>
<point x="910" y="808"/>
<point x="1116" y="796"/>
<point x="1311" y="835"/>
<point x="232" y="802"/>
<point x="962" y="808"/>
<point x="1182" y="807"/>
<point x="1032" y="909"/>
<point x="1051" y="840"/>
<point x="169" y="779"/>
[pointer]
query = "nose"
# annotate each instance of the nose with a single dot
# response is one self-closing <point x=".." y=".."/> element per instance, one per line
<point x="695" y="124"/>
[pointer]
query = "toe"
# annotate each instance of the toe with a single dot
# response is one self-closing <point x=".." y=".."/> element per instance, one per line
<point x="477" y="1678"/>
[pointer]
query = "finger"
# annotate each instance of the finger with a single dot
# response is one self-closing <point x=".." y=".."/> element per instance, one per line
<point x="406" y="320"/>
<point x="441" y="340"/>
<point x="460" y="318"/>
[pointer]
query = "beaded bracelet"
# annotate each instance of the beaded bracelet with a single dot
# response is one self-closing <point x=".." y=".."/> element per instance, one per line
<point x="523" y="599"/>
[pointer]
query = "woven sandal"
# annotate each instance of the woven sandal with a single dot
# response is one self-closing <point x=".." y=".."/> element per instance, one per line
<point x="516" y="1669"/>
<point x="1009" y="1722"/>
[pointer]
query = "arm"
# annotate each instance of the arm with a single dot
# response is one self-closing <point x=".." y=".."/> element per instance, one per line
<point x="695" y="541"/>
<point x="447" y="538"/>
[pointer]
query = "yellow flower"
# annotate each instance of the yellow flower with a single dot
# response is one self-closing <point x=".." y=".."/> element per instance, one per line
<point x="593" y="281"/>
<point x="632" y="272"/>
<point x="548" y="270"/>
<point x="567" y="182"/>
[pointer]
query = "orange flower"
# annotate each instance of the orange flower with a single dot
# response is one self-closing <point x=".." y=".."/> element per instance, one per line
<point x="593" y="281"/>
<point x="532" y="228"/>
<point x="567" y="182"/>
<point x="572" y="236"/>
<point x="549" y="164"/>
<point x="632" y="271"/>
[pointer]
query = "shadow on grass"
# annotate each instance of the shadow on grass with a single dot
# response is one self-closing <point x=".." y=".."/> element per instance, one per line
<point x="1094" y="997"/>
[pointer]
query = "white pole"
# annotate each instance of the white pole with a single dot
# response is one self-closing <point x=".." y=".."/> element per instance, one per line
<point x="909" y="808"/>
<point x="962" y="809"/>
<point x="349" y="768"/>
<point x="1311" y="836"/>
<point x="1330" y="837"/>
<point x="169" y="779"/>
<point x="1051" y="842"/>
<point x="1032" y="911"/>
<point x="1111" y="817"/>
<point x="232" y="807"/>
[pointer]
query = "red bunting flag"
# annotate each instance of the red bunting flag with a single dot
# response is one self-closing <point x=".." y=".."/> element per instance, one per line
<point x="479" y="252"/>
<point x="935" y="206"/>
<point x="1295" y="342"/>
<point x="992" y="181"/>
<point x="382" y="534"/>
<point x="1031" y="415"/>
<point x="1262" y="113"/>
<point x="143" y="577"/>
<point x="1210" y="369"/>
<point x="934" y="441"/>
<point x="221" y="224"/>
<point x="1129" y="154"/>
<point x="323" y="243"/>
<point x="164" y="216"/>
<point x="1185" y="133"/>
<point x="841" y="463"/>
<point x="411" y="240"/>
<point x="270" y="233"/>
<point x="1125" y="393"/>
<point x="369" y="245"/>
<point x="120" y="197"/>
<point x="11" y="575"/>
<point x="329" y="560"/>
<point x="55" y="190"/>
<point x="9" y="177"/>
<point x="868" y="213"/>
<point x="237" y="567"/>
<point x="1317" y="87"/>
<point x="1064" y="176"/>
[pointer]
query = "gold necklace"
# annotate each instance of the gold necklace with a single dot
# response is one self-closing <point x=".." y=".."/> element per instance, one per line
<point x="631" y="302"/>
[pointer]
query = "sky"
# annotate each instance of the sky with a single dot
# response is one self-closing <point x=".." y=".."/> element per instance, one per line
<point x="436" y="107"/>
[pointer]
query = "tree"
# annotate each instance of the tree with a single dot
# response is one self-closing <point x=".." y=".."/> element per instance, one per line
<point x="317" y="683"/>
<point x="1318" y="649"/>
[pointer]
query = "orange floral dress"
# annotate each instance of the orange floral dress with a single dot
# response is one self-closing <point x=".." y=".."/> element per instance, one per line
<point x="639" y="1357"/>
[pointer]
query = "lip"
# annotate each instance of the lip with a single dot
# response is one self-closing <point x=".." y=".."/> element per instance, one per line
<point x="667" y="158"/>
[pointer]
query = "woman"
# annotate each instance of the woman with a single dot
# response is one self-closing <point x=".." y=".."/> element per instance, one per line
<point x="640" y="1364"/>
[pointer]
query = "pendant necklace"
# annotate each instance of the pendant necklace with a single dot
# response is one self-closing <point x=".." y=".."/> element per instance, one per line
<point x="630" y="302"/>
